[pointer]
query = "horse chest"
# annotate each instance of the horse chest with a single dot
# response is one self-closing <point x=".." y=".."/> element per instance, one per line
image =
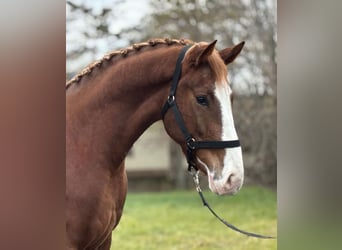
<point x="95" y="210"/>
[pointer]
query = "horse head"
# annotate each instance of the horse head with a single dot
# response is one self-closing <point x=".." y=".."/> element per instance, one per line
<point x="204" y="101"/>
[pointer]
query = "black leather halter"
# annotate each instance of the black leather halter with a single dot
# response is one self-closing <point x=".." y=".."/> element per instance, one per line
<point x="191" y="143"/>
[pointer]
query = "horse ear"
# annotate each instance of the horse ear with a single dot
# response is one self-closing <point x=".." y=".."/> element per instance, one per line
<point x="228" y="55"/>
<point x="203" y="54"/>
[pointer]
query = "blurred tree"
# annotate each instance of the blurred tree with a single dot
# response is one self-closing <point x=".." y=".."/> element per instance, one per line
<point x="93" y="28"/>
<point x="229" y="22"/>
<point x="83" y="27"/>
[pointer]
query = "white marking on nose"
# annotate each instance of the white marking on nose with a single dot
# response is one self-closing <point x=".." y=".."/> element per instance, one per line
<point x="232" y="172"/>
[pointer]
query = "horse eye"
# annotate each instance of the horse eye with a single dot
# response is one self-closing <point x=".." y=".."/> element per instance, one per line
<point x="202" y="100"/>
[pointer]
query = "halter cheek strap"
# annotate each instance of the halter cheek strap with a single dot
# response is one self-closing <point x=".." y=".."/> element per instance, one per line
<point x="191" y="144"/>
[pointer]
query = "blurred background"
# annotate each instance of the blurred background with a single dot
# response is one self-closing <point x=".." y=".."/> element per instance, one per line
<point x="94" y="28"/>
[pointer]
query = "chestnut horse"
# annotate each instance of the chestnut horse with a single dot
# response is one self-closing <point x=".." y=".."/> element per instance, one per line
<point x="114" y="100"/>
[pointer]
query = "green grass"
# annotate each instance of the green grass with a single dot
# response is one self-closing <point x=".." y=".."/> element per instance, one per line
<point x="178" y="220"/>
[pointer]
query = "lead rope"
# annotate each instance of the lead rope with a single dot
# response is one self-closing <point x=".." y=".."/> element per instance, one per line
<point x="195" y="175"/>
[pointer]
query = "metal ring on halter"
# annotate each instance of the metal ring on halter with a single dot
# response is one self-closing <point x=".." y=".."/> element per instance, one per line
<point x="171" y="99"/>
<point x="191" y="143"/>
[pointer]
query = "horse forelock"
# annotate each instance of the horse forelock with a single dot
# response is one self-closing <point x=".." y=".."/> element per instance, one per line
<point x="218" y="67"/>
<point x="126" y="52"/>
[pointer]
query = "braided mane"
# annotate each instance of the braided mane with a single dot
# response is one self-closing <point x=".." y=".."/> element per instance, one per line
<point x="124" y="53"/>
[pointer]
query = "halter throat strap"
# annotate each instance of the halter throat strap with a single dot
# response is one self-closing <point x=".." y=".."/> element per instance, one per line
<point x="191" y="144"/>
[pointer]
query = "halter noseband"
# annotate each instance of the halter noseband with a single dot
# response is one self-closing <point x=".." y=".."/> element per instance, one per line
<point x="191" y="143"/>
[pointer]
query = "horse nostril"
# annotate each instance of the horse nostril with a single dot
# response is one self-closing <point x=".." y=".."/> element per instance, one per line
<point x="234" y="183"/>
<point x="230" y="179"/>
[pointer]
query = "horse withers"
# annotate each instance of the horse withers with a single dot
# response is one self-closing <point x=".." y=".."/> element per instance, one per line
<point x="114" y="100"/>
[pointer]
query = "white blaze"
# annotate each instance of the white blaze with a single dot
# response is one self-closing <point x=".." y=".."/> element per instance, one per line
<point x="233" y="164"/>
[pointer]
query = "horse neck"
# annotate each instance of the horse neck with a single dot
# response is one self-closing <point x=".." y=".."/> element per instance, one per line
<point x="121" y="102"/>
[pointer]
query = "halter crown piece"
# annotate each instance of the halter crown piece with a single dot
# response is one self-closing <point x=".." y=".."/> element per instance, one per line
<point x="193" y="145"/>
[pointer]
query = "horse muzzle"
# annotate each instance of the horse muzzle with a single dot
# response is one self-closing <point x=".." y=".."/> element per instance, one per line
<point x="226" y="185"/>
